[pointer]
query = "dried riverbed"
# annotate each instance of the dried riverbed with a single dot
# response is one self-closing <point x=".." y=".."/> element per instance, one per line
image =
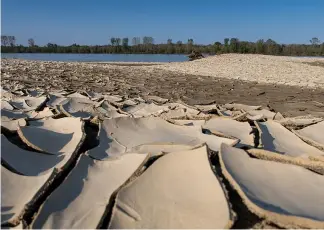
<point x="228" y="145"/>
<point x="168" y="82"/>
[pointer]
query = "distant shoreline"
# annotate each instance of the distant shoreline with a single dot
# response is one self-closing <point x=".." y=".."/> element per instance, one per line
<point x="125" y="59"/>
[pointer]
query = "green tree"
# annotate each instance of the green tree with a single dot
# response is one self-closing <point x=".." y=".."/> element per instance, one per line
<point x="226" y="40"/>
<point x="151" y="40"/>
<point x="146" y="40"/>
<point x="31" y="42"/>
<point x="322" y="49"/>
<point x="179" y="47"/>
<point x="118" y="41"/>
<point x="125" y="47"/>
<point x="234" y="45"/>
<point x="4" y="40"/>
<point x="260" y="46"/>
<point x="125" y="42"/>
<point x="190" y="45"/>
<point x="170" y="49"/>
<point x="113" y="41"/>
<point x="217" y="47"/>
<point x="271" y="47"/>
<point x="226" y="48"/>
<point x="11" y="41"/>
<point x="244" y="47"/>
<point x="315" y="41"/>
<point x="136" y="41"/>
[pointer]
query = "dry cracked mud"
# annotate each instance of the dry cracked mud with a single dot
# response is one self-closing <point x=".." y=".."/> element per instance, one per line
<point x="127" y="101"/>
<point x="137" y="81"/>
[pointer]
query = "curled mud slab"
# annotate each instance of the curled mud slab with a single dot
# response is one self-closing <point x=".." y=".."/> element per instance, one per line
<point x="272" y="191"/>
<point x="78" y="107"/>
<point x="29" y="163"/>
<point x="189" y="122"/>
<point x="121" y="135"/>
<point x="107" y="110"/>
<point x="13" y="125"/>
<point x="67" y="133"/>
<point x="276" y="138"/>
<point x="164" y="193"/>
<point x="315" y="166"/>
<point x="313" y="135"/>
<point x="28" y="103"/>
<point x="6" y="105"/>
<point x="298" y="122"/>
<point x="113" y="133"/>
<point x="17" y="191"/>
<point x="231" y="128"/>
<point x="145" y="109"/>
<point x="263" y="112"/>
<point x="80" y="201"/>
<point x="47" y="112"/>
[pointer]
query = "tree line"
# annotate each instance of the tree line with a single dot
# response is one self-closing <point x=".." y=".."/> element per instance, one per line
<point x="146" y="45"/>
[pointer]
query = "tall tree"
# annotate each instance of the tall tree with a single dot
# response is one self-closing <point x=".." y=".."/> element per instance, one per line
<point x="190" y="45"/>
<point x="179" y="47"/>
<point x="315" y="41"/>
<point x="169" y="41"/>
<point x="11" y="41"/>
<point x="147" y="44"/>
<point x="226" y="49"/>
<point x="234" y="45"/>
<point x="226" y="40"/>
<point x="31" y="42"/>
<point x="125" y="42"/>
<point x="113" y="41"/>
<point x="170" y="49"/>
<point x="4" y="40"/>
<point x="147" y="40"/>
<point x="271" y="47"/>
<point x="260" y="46"/>
<point x="136" y="41"/>
<point x="118" y="41"/>
<point x="217" y="47"/>
<point x="150" y="40"/>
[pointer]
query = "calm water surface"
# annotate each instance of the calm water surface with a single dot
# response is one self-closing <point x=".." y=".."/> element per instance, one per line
<point x="102" y="57"/>
<point x="98" y="57"/>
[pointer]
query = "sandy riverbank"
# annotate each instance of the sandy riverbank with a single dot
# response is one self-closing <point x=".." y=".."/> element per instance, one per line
<point x="179" y="81"/>
<point x="293" y="71"/>
<point x="305" y="72"/>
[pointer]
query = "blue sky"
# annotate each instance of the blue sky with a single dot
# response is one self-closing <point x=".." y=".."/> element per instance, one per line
<point x="206" y="21"/>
